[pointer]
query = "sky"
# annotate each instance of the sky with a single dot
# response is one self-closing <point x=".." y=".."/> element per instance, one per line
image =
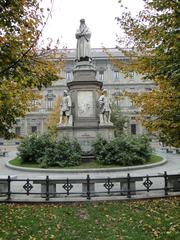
<point x="99" y="15"/>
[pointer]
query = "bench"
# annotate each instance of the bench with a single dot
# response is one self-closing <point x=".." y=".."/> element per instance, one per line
<point x="124" y="185"/>
<point x="3" y="153"/>
<point x="4" y="184"/>
<point x="54" y="181"/>
<point x="52" y="186"/>
<point x="174" y="183"/>
<point x="171" y="150"/>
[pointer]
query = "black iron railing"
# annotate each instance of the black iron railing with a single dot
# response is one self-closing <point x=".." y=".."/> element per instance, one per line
<point x="13" y="188"/>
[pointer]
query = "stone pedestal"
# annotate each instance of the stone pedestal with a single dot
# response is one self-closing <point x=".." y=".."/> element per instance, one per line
<point x="86" y="135"/>
<point x="84" y="91"/>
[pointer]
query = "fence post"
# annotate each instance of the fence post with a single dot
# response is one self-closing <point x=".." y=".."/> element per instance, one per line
<point x="67" y="186"/>
<point x="165" y="183"/>
<point x="128" y="186"/>
<point x="27" y="187"/>
<point x="88" y="187"/>
<point x="47" y="188"/>
<point x="9" y="188"/>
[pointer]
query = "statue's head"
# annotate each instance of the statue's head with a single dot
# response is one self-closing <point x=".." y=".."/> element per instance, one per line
<point x="104" y="91"/>
<point x="65" y="92"/>
<point x="82" y="21"/>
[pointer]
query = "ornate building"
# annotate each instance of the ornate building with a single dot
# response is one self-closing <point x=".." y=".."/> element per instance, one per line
<point x="114" y="81"/>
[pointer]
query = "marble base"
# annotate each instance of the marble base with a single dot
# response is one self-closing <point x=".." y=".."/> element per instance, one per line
<point x="86" y="135"/>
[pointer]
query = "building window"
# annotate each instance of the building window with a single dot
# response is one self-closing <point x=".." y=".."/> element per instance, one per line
<point x="17" y="121"/>
<point x="117" y="93"/>
<point x="50" y="99"/>
<point x="132" y="89"/>
<point x="34" y="129"/>
<point x="68" y="76"/>
<point x="101" y="75"/>
<point x="133" y="129"/>
<point x="34" y="101"/>
<point x="131" y="75"/>
<point x="148" y="89"/>
<point x="50" y="103"/>
<point x="18" y="131"/>
<point x="116" y="75"/>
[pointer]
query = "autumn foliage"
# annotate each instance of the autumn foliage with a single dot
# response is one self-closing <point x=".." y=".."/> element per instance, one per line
<point x="23" y="66"/>
<point x="153" y="38"/>
<point x="116" y="220"/>
<point x="54" y="116"/>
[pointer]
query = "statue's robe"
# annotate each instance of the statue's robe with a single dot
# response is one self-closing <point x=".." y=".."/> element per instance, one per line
<point x="83" y="49"/>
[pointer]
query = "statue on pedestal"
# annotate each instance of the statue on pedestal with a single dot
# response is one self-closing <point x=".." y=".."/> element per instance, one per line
<point x="105" y="108"/>
<point x="65" y="111"/>
<point x="83" y="35"/>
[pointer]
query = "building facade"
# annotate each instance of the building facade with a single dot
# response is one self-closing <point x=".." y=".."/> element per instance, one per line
<point x="114" y="81"/>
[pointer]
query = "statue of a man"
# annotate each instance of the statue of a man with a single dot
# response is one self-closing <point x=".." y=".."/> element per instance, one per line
<point x="105" y="108"/>
<point x="83" y="35"/>
<point x="65" y="111"/>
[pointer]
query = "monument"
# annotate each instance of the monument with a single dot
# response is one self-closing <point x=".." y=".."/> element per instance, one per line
<point x="87" y="114"/>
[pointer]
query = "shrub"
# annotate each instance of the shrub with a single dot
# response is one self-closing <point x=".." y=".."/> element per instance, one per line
<point x="63" y="153"/>
<point x="32" y="148"/>
<point x="123" y="150"/>
<point x="45" y="150"/>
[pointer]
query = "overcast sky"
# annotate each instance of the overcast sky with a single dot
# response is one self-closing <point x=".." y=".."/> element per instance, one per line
<point x="99" y="15"/>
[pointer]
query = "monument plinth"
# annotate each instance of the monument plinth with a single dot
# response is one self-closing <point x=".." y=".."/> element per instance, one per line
<point x="88" y="120"/>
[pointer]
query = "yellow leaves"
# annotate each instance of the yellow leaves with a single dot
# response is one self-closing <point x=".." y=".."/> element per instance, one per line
<point x="83" y="214"/>
<point x="158" y="220"/>
<point x="22" y="64"/>
<point x="155" y="219"/>
<point x="155" y="55"/>
<point x="161" y="105"/>
<point x="52" y="236"/>
<point x="58" y="226"/>
<point x="32" y="238"/>
<point x="54" y="115"/>
<point x="173" y="228"/>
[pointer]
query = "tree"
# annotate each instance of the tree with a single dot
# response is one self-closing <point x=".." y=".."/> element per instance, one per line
<point x="118" y="120"/>
<point x="54" y="116"/>
<point x="153" y="36"/>
<point x="23" y="66"/>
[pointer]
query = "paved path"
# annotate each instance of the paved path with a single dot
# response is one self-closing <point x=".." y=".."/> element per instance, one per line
<point x="172" y="167"/>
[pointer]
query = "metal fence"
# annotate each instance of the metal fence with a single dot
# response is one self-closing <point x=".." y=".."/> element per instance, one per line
<point x="47" y="188"/>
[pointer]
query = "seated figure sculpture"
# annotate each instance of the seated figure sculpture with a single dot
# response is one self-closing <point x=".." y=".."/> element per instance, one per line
<point x="65" y="110"/>
<point x="105" y="108"/>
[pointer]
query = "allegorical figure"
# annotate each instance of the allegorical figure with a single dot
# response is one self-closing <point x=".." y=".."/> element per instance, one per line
<point x="105" y="108"/>
<point x="83" y="35"/>
<point x="65" y="111"/>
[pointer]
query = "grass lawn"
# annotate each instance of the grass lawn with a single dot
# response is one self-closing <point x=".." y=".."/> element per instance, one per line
<point x="137" y="220"/>
<point x="17" y="162"/>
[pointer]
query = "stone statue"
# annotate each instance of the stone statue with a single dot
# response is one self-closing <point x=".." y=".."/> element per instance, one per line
<point x="83" y="35"/>
<point x="105" y="108"/>
<point x="65" y="111"/>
